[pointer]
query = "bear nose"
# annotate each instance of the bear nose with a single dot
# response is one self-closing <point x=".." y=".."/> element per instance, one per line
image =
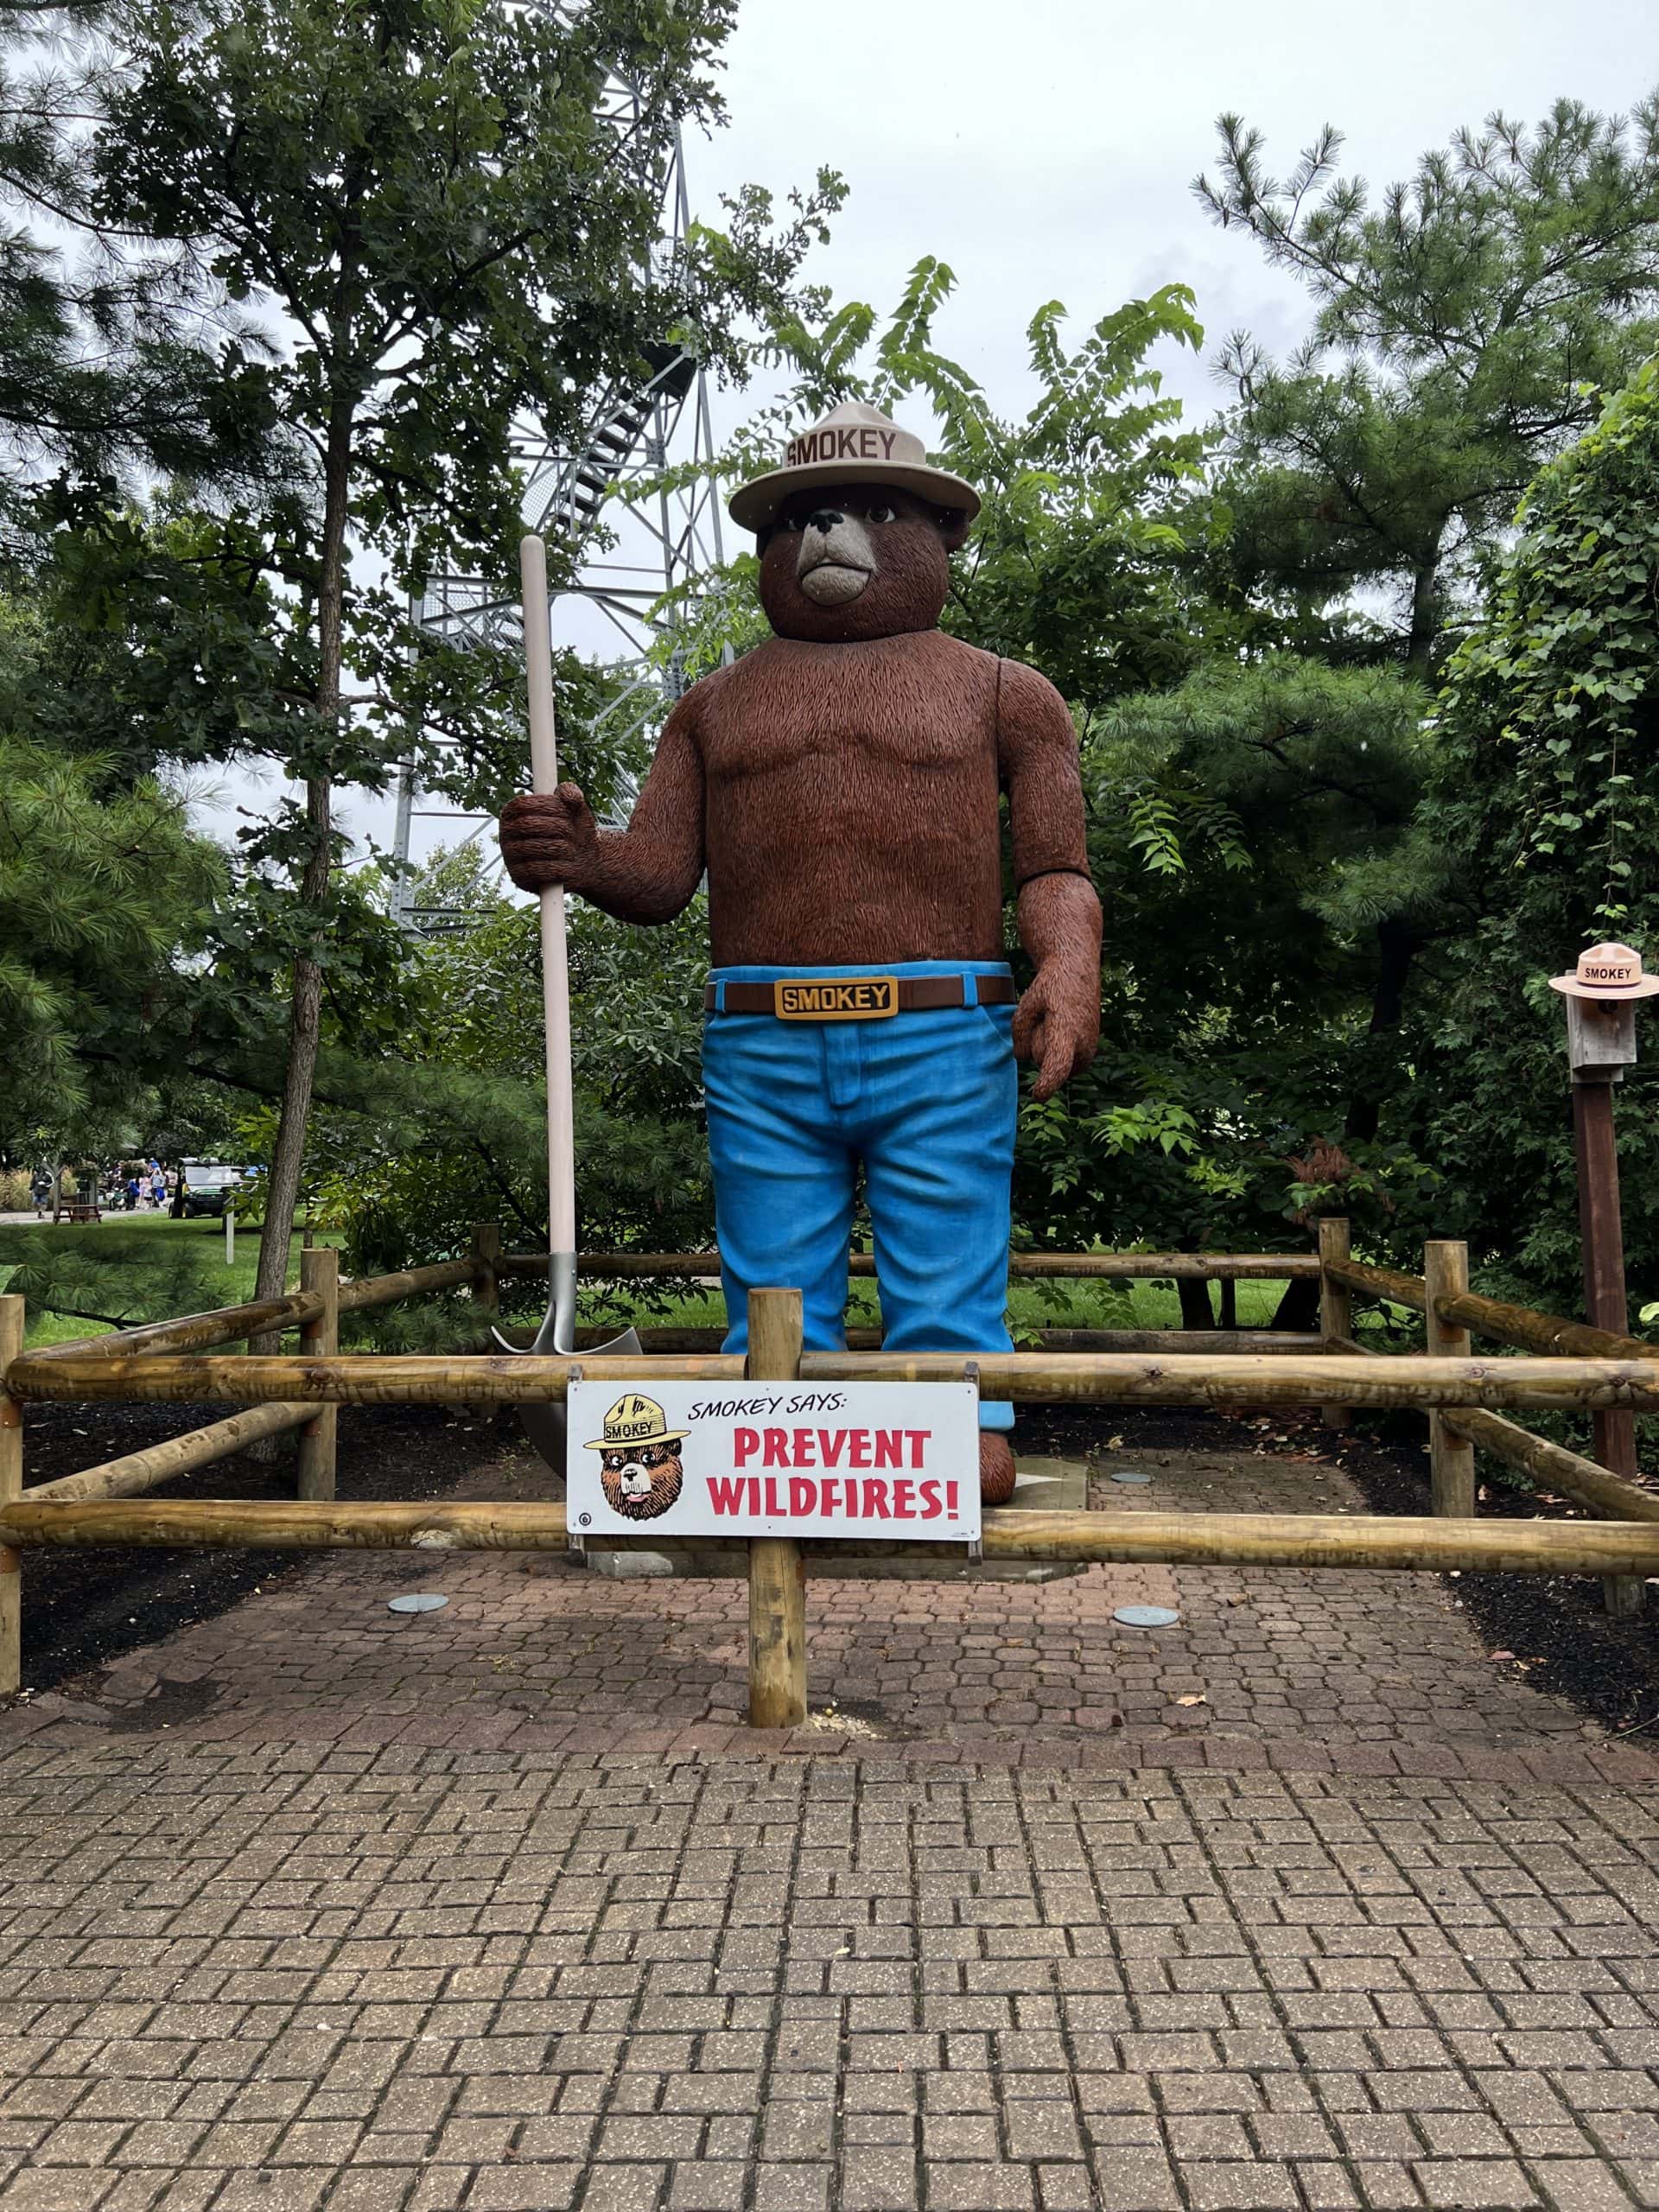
<point x="826" y="519"/>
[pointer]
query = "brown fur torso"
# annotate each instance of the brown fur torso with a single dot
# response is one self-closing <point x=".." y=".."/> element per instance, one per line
<point x="841" y="784"/>
<point x="850" y="795"/>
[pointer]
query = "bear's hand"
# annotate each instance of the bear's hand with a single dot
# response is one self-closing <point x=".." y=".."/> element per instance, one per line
<point x="1057" y="1023"/>
<point x="549" y="840"/>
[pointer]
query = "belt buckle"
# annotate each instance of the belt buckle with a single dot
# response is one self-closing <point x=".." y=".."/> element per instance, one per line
<point x="836" y="998"/>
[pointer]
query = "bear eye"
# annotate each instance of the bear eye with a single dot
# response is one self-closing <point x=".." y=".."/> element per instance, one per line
<point x="880" y="514"/>
<point x="796" y="522"/>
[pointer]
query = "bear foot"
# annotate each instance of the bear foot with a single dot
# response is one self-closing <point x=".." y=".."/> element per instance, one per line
<point x="995" y="1467"/>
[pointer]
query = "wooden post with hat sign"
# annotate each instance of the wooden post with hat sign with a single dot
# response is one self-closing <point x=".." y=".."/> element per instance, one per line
<point x="1601" y="994"/>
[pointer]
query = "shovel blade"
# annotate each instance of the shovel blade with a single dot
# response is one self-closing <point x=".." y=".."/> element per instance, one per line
<point x="546" y="1423"/>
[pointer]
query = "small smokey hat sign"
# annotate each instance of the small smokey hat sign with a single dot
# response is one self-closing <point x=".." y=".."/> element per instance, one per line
<point x="860" y="1459"/>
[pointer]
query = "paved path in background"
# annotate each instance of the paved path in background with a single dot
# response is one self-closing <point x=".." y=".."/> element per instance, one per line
<point x="1290" y="1669"/>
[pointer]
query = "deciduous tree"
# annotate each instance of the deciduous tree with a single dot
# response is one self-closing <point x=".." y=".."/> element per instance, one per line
<point x="1545" y="797"/>
<point x="431" y="198"/>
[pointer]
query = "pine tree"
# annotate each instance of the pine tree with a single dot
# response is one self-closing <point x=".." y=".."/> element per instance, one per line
<point x="1464" y="328"/>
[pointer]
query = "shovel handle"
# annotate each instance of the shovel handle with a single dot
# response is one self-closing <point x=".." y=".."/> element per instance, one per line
<point x="555" y="971"/>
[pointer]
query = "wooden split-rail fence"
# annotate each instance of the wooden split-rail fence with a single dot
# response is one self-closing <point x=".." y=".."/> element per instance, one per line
<point x="1563" y="1366"/>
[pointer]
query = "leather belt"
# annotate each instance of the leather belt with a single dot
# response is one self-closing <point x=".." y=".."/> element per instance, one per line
<point x="856" y="998"/>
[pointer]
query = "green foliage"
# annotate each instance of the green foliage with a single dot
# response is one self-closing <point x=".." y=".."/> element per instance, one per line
<point x="1544" y="799"/>
<point x="1076" y="562"/>
<point x="105" y="1271"/>
<point x="1240" y="826"/>
<point x="106" y="362"/>
<point x="1463" y="328"/>
<point x="434" y="197"/>
<point x="1559" y="681"/>
<point x="100" y="897"/>
<point x="407" y="1153"/>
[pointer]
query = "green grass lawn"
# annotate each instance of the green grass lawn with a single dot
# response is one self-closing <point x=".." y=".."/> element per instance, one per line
<point x="1056" y="1305"/>
<point x="224" y="1286"/>
<point x="1061" y="1305"/>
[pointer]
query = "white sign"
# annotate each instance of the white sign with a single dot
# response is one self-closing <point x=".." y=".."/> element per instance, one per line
<point x="852" y="1459"/>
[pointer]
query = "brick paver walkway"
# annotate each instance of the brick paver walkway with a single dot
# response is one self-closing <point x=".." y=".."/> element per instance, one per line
<point x="269" y="1979"/>
<point x="1307" y="1902"/>
<point x="1303" y="1671"/>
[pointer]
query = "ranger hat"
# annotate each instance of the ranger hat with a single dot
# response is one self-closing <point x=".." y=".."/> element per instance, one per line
<point x="1606" y="971"/>
<point x="634" y="1419"/>
<point x="854" y="444"/>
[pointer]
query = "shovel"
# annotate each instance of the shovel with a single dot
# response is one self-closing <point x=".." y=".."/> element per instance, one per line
<point x="546" y="1424"/>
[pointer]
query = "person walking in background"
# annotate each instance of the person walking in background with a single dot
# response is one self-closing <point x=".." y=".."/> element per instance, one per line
<point x="158" y="1187"/>
<point x="131" y="1194"/>
<point x="40" y="1190"/>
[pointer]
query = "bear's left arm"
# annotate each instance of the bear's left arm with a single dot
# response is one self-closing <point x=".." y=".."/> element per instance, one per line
<point x="1057" y="1022"/>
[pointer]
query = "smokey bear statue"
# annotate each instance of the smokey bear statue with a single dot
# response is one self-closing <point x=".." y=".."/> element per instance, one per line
<point x="841" y="786"/>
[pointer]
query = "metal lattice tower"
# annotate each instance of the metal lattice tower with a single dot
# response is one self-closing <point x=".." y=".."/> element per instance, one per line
<point x="632" y="546"/>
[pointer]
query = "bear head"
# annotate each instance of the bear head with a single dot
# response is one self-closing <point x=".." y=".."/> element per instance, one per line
<point x="641" y="1481"/>
<point x="853" y="560"/>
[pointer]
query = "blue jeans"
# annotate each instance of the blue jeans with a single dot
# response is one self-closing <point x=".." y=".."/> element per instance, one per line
<point x="927" y="1100"/>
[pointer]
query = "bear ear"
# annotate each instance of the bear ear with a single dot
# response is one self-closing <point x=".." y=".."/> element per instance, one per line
<point x="954" y="524"/>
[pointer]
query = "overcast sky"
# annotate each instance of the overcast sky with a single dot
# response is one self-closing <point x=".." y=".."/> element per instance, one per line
<point x="1044" y="150"/>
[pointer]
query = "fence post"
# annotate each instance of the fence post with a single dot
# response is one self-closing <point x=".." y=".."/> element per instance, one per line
<point x="1602" y="1235"/>
<point x="776" y="1574"/>
<point x="486" y="1250"/>
<point x="11" y="1486"/>
<point x="1335" y="1301"/>
<point x="1450" y="1461"/>
<point x="320" y="1271"/>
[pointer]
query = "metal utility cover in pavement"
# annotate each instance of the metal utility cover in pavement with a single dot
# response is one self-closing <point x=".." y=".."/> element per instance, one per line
<point x="1129" y="1474"/>
<point x="1146" y="1616"/>
<point x="419" y="1601"/>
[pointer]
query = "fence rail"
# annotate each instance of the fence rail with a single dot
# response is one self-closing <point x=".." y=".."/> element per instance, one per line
<point x="1040" y="1378"/>
<point x="1565" y="1365"/>
<point x="137" y="1472"/>
<point x="1494" y="1317"/>
<point x="1089" y="1267"/>
<point x="1569" y="1472"/>
<point x="1388" y="1284"/>
<point x="1452" y="1314"/>
<point x="1270" y="1344"/>
<point x="1390" y="1542"/>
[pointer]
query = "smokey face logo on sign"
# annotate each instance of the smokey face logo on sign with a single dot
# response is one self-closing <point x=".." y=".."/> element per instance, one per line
<point x="639" y="1468"/>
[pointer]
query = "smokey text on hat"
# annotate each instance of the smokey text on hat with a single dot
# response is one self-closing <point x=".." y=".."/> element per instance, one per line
<point x="837" y="442"/>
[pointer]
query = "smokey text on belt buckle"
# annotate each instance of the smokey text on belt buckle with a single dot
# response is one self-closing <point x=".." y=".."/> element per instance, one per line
<point x="836" y="998"/>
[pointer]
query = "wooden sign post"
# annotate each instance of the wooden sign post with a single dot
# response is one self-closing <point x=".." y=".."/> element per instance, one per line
<point x="777" y="1572"/>
<point x="1600" y="1046"/>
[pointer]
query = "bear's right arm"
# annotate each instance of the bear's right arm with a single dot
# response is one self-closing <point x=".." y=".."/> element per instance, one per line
<point x="646" y="873"/>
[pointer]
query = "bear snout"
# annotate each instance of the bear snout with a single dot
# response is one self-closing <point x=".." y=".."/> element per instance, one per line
<point x="835" y="561"/>
<point x="829" y="575"/>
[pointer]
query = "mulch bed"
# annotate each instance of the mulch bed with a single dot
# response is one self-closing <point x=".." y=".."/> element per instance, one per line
<point x="81" y="1609"/>
<point x="1562" y="1641"/>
